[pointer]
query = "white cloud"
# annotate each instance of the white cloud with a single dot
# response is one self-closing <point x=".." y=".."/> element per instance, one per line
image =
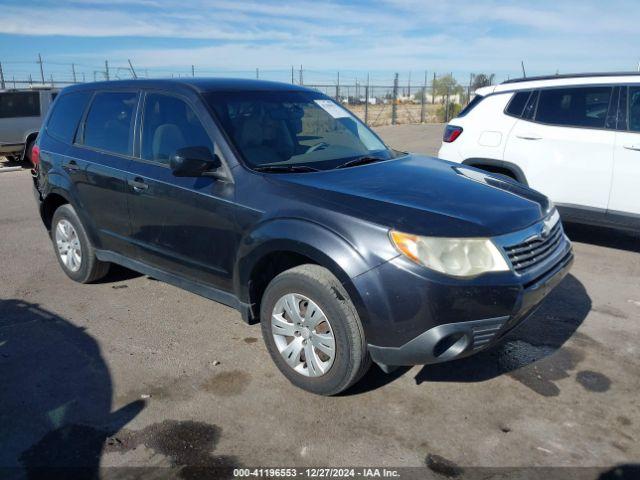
<point x="467" y="35"/>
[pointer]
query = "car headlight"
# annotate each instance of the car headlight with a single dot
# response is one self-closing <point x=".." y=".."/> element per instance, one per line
<point x="458" y="257"/>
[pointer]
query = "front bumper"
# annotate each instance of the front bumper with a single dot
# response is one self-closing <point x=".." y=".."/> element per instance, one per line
<point x="454" y="340"/>
<point x="413" y="315"/>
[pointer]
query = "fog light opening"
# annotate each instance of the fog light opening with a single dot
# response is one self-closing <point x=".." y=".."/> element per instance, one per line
<point x="451" y="345"/>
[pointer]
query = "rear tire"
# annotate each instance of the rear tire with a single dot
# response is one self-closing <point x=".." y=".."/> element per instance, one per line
<point x="330" y="371"/>
<point x="73" y="249"/>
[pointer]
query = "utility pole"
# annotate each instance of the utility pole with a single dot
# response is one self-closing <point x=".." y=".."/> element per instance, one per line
<point x="366" y="102"/>
<point x="257" y="74"/>
<point x="193" y="70"/>
<point x="73" y="71"/>
<point x="2" y="86"/>
<point x="338" y="89"/>
<point x="106" y="69"/>
<point x="52" y="79"/>
<point x="83" y="78"/>
<point x="524" y="73"/>
<point x="30" y="80"/>
<point x="301" y="83"/>
<point x="292" y="80"/>
<point x="433" y="89"/>
<point x="469" y="89"/>
<point x="423" y="98"/>
<point x="409" y="85"/>
<point x="133" y="72"/>
<point x="41" y="69"/>
<point x="394" y="105"/>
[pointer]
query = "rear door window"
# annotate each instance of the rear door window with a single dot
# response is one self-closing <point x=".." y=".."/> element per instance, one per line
<point x="574" y="107"/>
<point x="19" y="104"/>
<point x="109" y="123"/>
<point x="530" y="107"/>
<point x="66" y="114"/>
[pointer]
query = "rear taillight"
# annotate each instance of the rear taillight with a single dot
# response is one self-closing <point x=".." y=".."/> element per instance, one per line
<point x="35" y="155"/>
<point x="451" y="132"/>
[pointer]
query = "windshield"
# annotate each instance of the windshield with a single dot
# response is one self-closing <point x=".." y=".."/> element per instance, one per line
<point x="293" y="128"/>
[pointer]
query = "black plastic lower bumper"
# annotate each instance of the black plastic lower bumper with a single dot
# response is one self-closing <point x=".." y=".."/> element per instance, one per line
<point x="460" y="339"/>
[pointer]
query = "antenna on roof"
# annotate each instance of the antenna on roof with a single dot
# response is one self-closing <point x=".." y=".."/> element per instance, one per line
<point x="524" y="72"/>
<point x="639" y="66"/>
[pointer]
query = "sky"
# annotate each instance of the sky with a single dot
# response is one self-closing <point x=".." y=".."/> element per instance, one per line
<point x="233" y="38"/>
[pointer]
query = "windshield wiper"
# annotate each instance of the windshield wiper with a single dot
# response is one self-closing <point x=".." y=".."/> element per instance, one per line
<point x="285" y="168"/>
<point x="360" y="161"/>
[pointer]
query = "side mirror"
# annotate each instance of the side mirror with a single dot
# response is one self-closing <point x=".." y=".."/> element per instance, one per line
<point x="193" y="162"/>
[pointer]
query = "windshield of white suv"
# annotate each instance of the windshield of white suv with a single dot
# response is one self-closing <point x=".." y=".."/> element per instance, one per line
<point x="294" y="131"/>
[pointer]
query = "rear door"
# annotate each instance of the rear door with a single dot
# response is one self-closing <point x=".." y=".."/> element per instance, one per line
<point x="182" y="225"/>
<point x="103" y="153"/>
<point x="564" y="146"/>
<point x="625" y="197"/>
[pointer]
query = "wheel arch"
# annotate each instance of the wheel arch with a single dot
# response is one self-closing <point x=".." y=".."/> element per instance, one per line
<point x="282" y="244"/>
<point x="29" y="138"/>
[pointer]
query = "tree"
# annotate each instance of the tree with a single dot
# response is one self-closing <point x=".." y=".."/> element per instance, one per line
<point x="447" y="85"/>
<point x="481" y="80"/>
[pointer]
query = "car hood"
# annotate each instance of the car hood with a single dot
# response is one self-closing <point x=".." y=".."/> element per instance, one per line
<point x="422" y="195"/>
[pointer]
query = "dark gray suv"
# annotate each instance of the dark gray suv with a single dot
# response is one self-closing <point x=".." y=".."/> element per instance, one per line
<point x="277" y="201"/>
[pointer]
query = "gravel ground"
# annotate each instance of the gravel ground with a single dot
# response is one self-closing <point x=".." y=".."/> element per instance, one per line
<point x="134" y="372"/>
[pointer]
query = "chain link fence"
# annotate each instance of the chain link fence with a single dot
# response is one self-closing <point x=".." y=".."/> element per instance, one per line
<point x="436" y="99"/>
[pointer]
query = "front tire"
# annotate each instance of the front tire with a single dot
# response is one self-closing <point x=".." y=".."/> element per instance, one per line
<point x="73" y="249"/>
<point x="312" y="330"/>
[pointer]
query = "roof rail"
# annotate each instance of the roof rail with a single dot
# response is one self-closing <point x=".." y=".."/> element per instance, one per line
<point x="572" y="75"/>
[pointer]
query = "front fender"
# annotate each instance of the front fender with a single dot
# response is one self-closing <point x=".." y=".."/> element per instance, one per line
<point x="303" y="237"/>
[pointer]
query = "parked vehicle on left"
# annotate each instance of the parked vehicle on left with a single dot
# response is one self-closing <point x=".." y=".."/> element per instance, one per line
<point x="21" y="114"/>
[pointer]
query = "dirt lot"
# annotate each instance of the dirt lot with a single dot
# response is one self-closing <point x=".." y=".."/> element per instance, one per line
<point x="134" y="372"/>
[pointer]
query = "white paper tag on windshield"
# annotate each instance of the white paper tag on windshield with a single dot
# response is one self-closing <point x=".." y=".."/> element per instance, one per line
<point x="332" y="108"/>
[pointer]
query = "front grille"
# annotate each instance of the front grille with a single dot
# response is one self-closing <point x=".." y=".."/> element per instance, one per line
<point x="528" y="254"/>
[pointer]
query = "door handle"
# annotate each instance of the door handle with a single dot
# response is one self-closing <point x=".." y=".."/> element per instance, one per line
<point x="633" y="147"/>
<point x="138" y="184"/>
<point x="72" y="165"/>
<point x="529" y="136"/>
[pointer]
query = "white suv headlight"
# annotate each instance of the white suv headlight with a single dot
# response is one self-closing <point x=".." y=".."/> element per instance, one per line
<point x="458" y="257"/>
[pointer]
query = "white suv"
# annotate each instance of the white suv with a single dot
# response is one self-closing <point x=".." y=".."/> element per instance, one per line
<point x="575" y="138"/>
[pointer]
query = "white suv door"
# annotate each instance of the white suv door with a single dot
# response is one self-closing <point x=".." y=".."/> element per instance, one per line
<point x="563" y="147"/>
<point x="625" y="196"/>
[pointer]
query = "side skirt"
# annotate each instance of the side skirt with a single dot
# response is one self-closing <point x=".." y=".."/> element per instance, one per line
<point x="206" y="291"/>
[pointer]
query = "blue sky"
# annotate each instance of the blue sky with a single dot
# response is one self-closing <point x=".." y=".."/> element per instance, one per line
<point x="227" y="37"/>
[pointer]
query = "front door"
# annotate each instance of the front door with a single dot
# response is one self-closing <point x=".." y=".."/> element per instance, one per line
<point x="182" y="225"/>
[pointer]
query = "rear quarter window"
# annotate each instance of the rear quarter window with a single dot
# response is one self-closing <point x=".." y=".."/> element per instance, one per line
<point x="66" y="114"/>
<point x="517" y="103"/>
<point x="471" y="105"/>
<point x="19" y="104"/>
